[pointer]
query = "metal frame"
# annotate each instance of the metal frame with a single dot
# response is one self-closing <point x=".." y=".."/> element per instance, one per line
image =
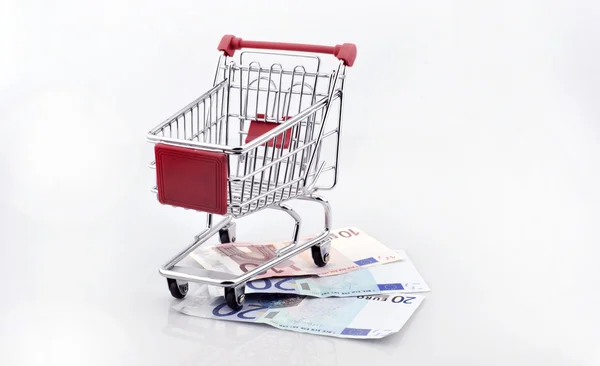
<point x="224" y="279"/>
<point x="301" y="160"/>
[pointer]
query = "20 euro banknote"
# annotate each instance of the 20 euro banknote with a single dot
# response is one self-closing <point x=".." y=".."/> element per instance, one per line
<point x="365" y="317"/>
<point x="351" y="249"/>
<point x="396" y="277"/>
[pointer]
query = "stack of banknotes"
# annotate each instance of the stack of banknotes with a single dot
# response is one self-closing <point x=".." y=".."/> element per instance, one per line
<point x="366" y="291"/>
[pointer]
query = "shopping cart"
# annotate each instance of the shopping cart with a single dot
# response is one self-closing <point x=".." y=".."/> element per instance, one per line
<point x="253" y="141"/>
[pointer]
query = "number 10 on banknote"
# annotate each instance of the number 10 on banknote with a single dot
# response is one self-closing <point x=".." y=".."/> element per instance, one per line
<point x="254" y="141"/>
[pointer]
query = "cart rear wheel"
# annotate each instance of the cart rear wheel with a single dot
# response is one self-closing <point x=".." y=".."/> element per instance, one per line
<point x="178" y="290"/>
<point x="235" y="299"/>
<point x="320" y="255"/>
<point x="227" y="235"/>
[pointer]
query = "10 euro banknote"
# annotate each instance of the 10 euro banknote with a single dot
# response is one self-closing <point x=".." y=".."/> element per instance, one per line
<point x="351" y="249"/>
<point x="396" y="277"/>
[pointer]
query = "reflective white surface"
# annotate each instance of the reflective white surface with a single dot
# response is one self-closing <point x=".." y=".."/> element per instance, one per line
<point x="471" y="140"/>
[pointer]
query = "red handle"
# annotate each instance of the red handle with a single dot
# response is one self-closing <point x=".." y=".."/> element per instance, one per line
<point x="345" y="52"/>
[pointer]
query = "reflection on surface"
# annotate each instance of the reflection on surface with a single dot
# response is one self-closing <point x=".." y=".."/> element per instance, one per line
<point x="223" y="342"/>
<point x="252" y="342"/>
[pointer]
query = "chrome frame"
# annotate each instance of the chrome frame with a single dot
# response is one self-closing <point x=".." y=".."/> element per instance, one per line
<point x="248" y="191"/>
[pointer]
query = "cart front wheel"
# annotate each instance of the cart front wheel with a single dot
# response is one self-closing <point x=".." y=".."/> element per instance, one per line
<point x="178" y="290"/>
<point x="235" y="297"/>
<point x="320" y="255"/>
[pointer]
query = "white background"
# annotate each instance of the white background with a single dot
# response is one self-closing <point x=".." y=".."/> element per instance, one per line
<point x="471" y="140"/>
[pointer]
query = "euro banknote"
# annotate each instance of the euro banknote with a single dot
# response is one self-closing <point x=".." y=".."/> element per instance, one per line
<point x="397" y="277"/>
<point x="364" y="317"/>
<point x="351" y="249"/>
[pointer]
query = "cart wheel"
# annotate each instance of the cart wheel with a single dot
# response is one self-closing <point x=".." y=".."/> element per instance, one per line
<point x="320" y="254"/>
<point x="227" y="235"/>
<point x="178" y="290"/>
<point x="235" y="297"/>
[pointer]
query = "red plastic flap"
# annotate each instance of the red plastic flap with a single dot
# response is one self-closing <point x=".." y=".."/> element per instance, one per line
<point x="259" y="128"/>
<point x="191" y="178"/>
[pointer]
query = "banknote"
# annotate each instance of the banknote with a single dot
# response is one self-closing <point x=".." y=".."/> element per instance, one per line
<point x="397" y="277"/>
<point x="365" y="317"/>
<point x="351" y="249"/>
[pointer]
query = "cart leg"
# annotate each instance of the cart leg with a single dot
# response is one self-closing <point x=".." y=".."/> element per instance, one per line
<point x="178" y="287"/>
<point x="290" y="211"/>
<point x="320" y="252"/>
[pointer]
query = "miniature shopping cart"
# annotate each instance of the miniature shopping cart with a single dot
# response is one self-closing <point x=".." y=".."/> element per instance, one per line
<point x="255" y="140"/>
